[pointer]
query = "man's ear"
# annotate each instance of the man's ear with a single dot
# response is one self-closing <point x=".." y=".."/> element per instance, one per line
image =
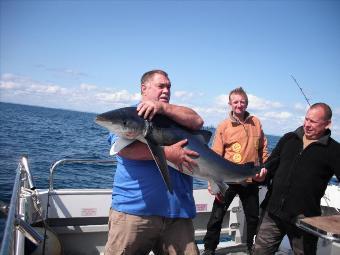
<point x="142" y="88"/>
<point x="329" y="125"/>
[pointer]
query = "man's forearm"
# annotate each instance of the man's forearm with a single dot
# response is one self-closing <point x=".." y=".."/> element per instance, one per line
<point x="173" y="153"/>
<point x="183" y="115"/>
<point x="140" y="151"/>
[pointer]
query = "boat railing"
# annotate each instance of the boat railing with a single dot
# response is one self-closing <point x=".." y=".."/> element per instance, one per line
<point x="74" y="161"/>
<point x="16" y="228"/>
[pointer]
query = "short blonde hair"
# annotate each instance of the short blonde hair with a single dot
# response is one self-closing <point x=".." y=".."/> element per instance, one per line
<point x="239" y="91"/>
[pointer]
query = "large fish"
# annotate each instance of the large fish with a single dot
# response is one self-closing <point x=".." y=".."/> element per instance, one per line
<point x="162" y="131"/>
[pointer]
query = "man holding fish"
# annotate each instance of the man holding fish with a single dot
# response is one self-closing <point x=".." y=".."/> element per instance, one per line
<point x="144" y="214"/>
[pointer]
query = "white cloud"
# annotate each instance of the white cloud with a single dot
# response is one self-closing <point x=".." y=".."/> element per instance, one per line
<point x="277" y="115"/>
<point x="71" y="72"/>
<point x="222" y="100"/>
<point x="8" y="77"/>
<point x="336" y="111"/>
<point x="209" y="110"/>
<point x="87" y="87"/>
<point x="63" y="71"/>
<point x="257" y="103"/>
<point x="11" y="82"/>
<point x="45" y="89"/>
<point x="335" y="130"/>
<point x="84" y="97"/>
<point x="300" y="107"/>
<point x="183" y="93"/>
<point x="117" y="96"/>
<point x="219" y="106"/>
<point x="25" y="85"/>
<point x="186" y="95"/>
<point x="8" y="85"/>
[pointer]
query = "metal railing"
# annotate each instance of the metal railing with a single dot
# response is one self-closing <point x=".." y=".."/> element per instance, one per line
<point x="15" y="227"/>
<point x="334" y="237"/>
<point x="75" y="161"/>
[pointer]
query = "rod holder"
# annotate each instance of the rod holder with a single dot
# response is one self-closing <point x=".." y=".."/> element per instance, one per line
<point x="29" y="232"/>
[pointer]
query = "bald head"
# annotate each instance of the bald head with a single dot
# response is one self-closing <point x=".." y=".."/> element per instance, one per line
<point x="317" y="121"/>
<point x="326" y="109"/>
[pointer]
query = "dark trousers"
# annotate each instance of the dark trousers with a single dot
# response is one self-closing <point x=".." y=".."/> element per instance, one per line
<point x="249" y="196"/>
<point x="271" y="232"/>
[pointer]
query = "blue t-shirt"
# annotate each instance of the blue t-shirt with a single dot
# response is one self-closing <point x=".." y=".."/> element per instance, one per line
<point x="139" y="189"/>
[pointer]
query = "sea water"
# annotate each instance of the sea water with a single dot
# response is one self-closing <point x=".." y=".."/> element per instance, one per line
<point x="46" y="135"/>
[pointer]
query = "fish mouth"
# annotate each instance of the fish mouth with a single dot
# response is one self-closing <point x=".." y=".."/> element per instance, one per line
<point x="100" y="118"/>
<point x="131" y="134"/>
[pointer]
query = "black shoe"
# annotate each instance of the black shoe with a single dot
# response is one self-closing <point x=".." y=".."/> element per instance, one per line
<point x="208" y="252"/>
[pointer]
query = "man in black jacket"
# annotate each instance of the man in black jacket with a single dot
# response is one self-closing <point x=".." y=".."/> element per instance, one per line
<point x="307" y="160"/>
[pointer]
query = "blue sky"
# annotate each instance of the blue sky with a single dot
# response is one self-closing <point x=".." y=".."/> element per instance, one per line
<point x="90" y="55"/>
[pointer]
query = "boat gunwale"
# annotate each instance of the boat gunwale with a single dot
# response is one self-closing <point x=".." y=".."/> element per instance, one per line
<point x="23" y="178"/>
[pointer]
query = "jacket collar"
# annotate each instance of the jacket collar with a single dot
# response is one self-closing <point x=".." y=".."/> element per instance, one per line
<point x="323" y="139"/>
<point x="234" y="120"/>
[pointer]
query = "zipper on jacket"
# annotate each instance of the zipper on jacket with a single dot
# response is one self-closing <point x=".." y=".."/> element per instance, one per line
<point x="293" y="168"/>
<point x="282" y="203"/>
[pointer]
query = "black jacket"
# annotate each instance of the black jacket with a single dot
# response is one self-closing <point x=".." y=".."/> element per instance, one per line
<point x="299" y="178"/>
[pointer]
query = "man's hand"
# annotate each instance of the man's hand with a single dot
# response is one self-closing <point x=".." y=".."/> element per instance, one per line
<point x="149" y="108"/>
<point x="180" y="157"/>
<point x="218" y="195"/>
<point x="260" y="176"/>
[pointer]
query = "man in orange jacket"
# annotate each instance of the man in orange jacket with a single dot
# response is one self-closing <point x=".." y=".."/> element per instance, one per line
<point x="239" y="139"/>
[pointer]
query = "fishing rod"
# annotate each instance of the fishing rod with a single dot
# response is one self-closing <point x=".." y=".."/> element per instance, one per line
<point x="300" y="88"/>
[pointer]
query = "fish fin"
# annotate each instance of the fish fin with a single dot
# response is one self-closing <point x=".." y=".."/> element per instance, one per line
<point x="185" y="169"/>
<point x="218" y="187"/>
<point x="159" y="157"/>
<point x="223" y="187"/>
<point x="214" y="187"/>
<point x="120" y="144"/>
<point x="202" y="135"/>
